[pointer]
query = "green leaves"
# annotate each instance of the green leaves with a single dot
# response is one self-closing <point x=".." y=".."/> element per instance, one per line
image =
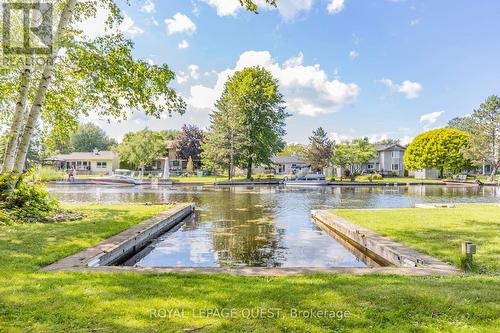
<point x="440" y="148"/>
<point x="249" y="123"/>
<point x="141" y="148"/>
<point x="320" y="150"/>
<point x="353" y="153"/>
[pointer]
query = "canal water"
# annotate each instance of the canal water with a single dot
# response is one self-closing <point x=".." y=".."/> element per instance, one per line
<point x="262" y="226"/>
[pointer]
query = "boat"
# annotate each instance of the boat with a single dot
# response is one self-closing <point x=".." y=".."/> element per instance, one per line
<point x="462" y="183"/>
<point x="306" y="180"/>
<point x="115" y="180"/>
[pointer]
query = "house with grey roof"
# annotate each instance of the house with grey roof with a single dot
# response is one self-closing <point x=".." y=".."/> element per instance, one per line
<point x="389" y="160"/>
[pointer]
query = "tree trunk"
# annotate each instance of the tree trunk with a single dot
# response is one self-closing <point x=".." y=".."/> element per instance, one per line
<point x="494" y="171"/>
<point x="43" y="85"/>
<point x="231" y="157"/>
<point x="18" y="119"/>
<point x="249" y="168"/>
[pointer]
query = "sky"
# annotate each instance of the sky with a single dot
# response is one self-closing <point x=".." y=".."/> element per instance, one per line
<point x="358" y="68"/>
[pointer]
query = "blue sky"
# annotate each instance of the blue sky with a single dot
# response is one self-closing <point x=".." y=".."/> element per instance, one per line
<point x="376" y="68"/>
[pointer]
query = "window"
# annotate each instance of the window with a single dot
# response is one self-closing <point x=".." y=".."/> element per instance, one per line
<point x="370" y="166"/>
<point x="396" y="154"/>
<point x="102" y="165"/>
<point x="395" y="167"/>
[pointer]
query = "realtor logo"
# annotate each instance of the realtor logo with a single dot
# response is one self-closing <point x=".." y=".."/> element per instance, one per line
<point x="27" y="28"/>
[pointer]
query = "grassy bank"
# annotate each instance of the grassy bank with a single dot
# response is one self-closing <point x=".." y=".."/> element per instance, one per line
<point x="75" y="302"/>
<point x="439" y="232"/>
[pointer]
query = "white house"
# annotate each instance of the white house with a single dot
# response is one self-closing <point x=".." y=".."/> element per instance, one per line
<point x="285" y="165"/>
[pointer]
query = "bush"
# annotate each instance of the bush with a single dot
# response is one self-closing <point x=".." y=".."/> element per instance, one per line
<point x="377" y="176"/>
<point x="49" y="174"/>
<point x="26" y="203"/>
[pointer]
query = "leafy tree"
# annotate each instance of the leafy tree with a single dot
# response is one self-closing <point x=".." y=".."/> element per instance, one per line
<point x="87" y="138"/>
<point x="253" y="117"/>
<point x="293" y="150"/>
<point x="188" y="142"/>
<point x="319" y="151"/>
<point x="96" y="74"/>
<point x="484" y="135"/>
<point x="221" y="146"/>
<point x="463" y="124"/>
<point x="169" y="134"/>
<point x="353" y="154"/>
<point x="440" y="148"/>
<point x="142" y="148"/>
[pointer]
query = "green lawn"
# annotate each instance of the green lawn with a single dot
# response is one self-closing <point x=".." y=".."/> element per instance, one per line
<point x="439" y="232"/>
<point x="364" y="179"/>
<point x="77" y="302"/>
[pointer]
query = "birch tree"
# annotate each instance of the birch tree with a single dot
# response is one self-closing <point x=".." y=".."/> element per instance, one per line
<point x="152" y="96"/>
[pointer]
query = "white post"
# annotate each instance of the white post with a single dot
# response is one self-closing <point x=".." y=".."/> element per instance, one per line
<point x="166" y="169"/>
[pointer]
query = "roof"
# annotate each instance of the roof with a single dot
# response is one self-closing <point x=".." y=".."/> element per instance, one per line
<point x="89" y="156"/>
<point x="394" y="146"/>
<point x="288" y="160"/>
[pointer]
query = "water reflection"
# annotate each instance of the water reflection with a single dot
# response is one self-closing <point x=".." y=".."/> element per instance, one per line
<point x="263" y="226"/>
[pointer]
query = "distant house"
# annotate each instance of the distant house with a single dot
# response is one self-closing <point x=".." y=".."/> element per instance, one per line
<point x="389" y="161"/>
<point x="96" y="162"/>
<point x="177" y="166"/>
<point x="284" y="165"/>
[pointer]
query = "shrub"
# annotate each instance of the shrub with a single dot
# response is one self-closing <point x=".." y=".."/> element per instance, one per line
<point x="26" y="202"/>
<point x="49" y="174"/>
<point x="377" y="176"/>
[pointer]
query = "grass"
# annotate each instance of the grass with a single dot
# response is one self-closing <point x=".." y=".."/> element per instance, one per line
<point x="439" y="232"/>
<point x="364" y="179"/>
<point x="78" y="302"/>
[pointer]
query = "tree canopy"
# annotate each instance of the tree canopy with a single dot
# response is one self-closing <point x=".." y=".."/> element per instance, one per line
<point x="319" y="150"/>
<point x="293" y="150"/>
<point x="142" y="148"/>
<point x="484" y="135"/>
<point x="249" y="123"/>
<point x="440" y="148"/>
<point x="188" y="142"/>
<point x="353" y="154"/>
<point x="87" y="138"/>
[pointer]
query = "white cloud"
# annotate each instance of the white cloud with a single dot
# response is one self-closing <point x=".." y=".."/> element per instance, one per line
<point x="96" y="26"/>
<point x="193" y="71"/>
<point x="431" y="118"/>
<point x="180" y="23"/>
<point x="415" y="22"/>
<point x="406" y="140"/>
<point x="148" y="7"/>
<point x="182" y="77"/>
<point x="151" y="62"/>
<point x="288" y="9"/>
<point x="353" y="54"/>
<point x="128" y="27"/>
<point x="339" y="138"/>
<point x="410" y="89"/>
<point x="183" y="44"/>
<point x="307" y="89"/>
<point x="335" y="6"/>
<point x="225" y="7"/>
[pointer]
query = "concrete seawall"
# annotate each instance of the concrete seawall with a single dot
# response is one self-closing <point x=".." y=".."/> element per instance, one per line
<point x="119" y="247"/>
